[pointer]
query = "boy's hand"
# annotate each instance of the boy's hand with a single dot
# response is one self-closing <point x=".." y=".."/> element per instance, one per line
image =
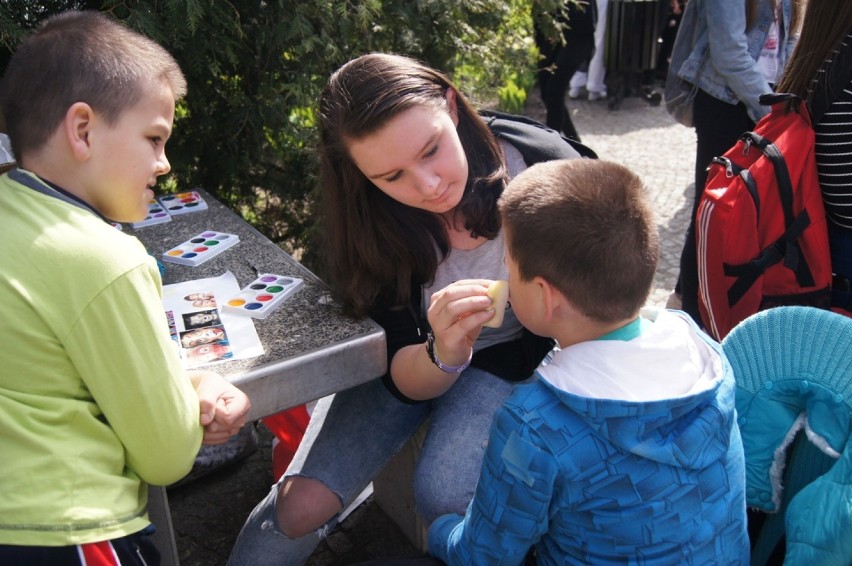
<point x="223" y="406"/>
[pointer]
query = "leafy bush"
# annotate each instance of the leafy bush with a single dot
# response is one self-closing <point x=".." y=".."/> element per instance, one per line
<point x="246" y="130"/>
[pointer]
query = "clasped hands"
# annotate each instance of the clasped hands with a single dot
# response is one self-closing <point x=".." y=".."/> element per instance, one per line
<point x="223" y="406"/>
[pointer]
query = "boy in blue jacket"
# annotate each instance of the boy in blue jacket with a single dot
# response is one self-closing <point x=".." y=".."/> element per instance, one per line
<point x="625" y="450"/>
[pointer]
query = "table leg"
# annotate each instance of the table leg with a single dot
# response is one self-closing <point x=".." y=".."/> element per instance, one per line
<point x="158" y="513"/>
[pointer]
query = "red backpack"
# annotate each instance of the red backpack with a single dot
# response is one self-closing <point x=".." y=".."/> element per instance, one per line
<point x="761" y="233"/>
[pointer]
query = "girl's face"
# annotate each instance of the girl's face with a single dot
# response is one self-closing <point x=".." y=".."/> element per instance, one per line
<point x="416" y="158"/>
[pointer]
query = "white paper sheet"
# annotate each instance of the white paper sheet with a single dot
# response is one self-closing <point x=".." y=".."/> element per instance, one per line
<point x="202" y="332"/>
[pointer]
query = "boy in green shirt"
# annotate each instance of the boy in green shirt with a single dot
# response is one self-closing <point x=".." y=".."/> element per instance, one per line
<point x="94" y="403"/>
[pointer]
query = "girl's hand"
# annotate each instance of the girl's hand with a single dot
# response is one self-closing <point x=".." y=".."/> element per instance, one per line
<point x="456" y="314"/>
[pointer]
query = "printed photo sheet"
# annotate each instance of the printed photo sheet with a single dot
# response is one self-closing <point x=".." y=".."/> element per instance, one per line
<point x="202" y="332"/>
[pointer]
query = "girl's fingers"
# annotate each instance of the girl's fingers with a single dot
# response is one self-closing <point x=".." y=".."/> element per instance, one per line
<point x="459" y="301"/>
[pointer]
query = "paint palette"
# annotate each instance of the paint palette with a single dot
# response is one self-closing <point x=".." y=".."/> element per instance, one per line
<point x="156" y="215"/>
<point x="201" y="248"/>
<point x="183" y="203"/>
<point x="263" y="295"/>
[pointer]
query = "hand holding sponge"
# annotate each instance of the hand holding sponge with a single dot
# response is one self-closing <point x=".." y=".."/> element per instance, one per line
<point x="498" y="291"/>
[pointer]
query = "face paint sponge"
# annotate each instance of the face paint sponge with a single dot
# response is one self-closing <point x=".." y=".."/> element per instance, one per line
<point x="498" y="291"/>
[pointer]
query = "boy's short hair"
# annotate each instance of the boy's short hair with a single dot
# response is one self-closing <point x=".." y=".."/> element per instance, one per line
<point x="585" y="226"/>
<point x="79" y="56"/>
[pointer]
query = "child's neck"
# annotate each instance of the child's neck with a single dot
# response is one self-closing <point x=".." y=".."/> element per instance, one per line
<point x="54" y="166"/>
<point x="585" y="329"/>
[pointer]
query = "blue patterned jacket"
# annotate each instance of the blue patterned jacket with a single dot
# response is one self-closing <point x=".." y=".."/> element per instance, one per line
<point x="600" y="481"/>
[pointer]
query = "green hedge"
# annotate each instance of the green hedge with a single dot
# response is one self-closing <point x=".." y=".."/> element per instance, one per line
<point x="245" y="131"/>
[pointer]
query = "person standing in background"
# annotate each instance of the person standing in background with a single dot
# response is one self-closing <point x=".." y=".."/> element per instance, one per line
<point x="732" y="51"/>
<point x="820" y="72"/>
<point x="667" y="37"/>
<point x="593" y="79"/>
<point x="560" y="59"/>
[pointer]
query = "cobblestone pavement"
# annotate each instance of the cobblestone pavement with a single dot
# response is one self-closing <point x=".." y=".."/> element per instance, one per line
<point x="209" y="512"/>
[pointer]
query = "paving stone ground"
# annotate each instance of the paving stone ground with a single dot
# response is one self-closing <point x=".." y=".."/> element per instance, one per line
<point x="208" y="513"/>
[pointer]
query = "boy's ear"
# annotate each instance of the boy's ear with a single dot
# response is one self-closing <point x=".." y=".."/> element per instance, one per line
<point x="76" y="127"/>
<point x="549" y="297"/>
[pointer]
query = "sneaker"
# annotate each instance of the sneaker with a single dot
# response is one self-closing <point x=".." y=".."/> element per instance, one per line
<point x="651" y="96"/>
<point x="596" y="95"/>
<point x="573" y="93"/>
<point x="213" y="457"/>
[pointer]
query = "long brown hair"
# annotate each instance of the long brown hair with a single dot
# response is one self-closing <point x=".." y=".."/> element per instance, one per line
<point x="752" y="7"/>
<point x="376" y="247"/>
<point x="826" y="23"/>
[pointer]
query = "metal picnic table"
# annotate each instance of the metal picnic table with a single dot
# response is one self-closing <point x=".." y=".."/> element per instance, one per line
<point x="311" y="349"/>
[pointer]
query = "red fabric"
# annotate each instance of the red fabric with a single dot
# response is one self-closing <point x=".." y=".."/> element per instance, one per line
<point x="98" y="554"/>
<point x="288" y="427"/>
<point x="759" y="244"/>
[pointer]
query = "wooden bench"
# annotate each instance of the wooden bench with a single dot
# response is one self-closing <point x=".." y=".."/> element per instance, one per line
<point x="393" y="492"/>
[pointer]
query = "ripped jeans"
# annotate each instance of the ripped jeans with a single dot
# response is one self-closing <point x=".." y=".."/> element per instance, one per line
<point x="353" y="434"/>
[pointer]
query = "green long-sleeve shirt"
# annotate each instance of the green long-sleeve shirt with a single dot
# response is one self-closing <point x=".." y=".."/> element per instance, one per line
<point x="94" y="403"/>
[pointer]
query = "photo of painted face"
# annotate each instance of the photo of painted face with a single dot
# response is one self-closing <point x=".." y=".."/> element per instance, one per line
<point x="201" y="300"/>
<point x="207" y="353"/>
<point x="201" y="319"/>
<point x="199" y="336"/>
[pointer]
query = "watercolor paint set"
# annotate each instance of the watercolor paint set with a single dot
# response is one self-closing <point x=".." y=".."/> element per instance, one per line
<point x="204" y="246"/>
<point x="263" y="295"/>
<point x="161" y="209"/>
<point x="183" y="203"/>
<point x="156" y="215"/>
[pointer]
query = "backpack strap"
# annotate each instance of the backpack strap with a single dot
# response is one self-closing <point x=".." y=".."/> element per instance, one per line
<point x="782" y="172"/>
<point x="773" y="98"/>
<point x="832" y="81"/>
<point x="534" y="140"/>
<point x="748" y="273"/>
